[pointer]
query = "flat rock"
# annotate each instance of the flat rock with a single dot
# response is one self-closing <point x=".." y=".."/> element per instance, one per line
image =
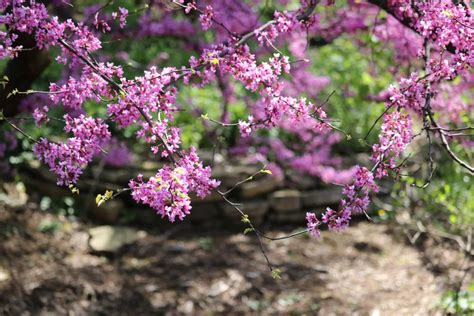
<point x="111" y="238"/>
<point x="13" y="195"/>
<point x="322" y="197"/>
<point x="259" y="187"/>
<point x="285" y="200"/>
<point x="4" y="275"/>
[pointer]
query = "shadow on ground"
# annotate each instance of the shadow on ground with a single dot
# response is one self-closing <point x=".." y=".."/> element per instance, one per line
<point x="193" y="269"/>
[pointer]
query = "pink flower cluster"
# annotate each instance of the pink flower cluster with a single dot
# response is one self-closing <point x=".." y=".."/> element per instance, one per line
<point x="161" y="131"/>
<point x="447" y="25"/>
<point x="22" y="18"/>
<point x="395" y="135"/>
<point x="410" y="95"/>
<point x="313" y="224"/>
<point x="67" y="160"/>
<point x="168" y="192"/>
<point x="206" y="17"/>
<point x="407" y="44"/>
<point x="356" y="201"/>
<point x="121" y="15"/>
<point x="41" y="116"/>
<point x="90" y="86"/>
<point x="148" y="93"/>
<point x="283" y="23"/>
<point x="245" y="127"/>
<point x="118" y="155"/>
<point x="102" y="23"/>
<point x="264" y="78"/>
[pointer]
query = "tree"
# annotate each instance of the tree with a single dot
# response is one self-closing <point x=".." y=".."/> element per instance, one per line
<point x="235" y="45"/>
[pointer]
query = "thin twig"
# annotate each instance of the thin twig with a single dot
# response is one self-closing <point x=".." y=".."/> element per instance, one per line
<point x="20" y="131"/>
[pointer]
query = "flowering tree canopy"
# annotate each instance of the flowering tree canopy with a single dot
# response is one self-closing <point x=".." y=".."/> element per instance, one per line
<point x="244" y="51"/>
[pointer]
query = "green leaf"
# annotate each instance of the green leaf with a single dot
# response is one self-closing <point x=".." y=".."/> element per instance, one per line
<point x="109" y="194"/>
<point x="49" y="226"/>
<point x="245" y="219"/>
<point x="276" y="273"/>
<point x="248" y="230"/>
<point x="98" y="198"/>
<point x="74" y="189"/>
<point x="453" y="219"/>
<point x="14" y="92"/>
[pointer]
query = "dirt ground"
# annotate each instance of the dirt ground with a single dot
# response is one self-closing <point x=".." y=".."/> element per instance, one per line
<point x="367" y="270"/>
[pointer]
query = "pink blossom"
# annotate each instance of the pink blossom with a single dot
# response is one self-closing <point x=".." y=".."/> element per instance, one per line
<point x="313" y="224"/>
<point x="206" y="17"/>
<point x="41" y="115"/>
<point x="168" y="192"/>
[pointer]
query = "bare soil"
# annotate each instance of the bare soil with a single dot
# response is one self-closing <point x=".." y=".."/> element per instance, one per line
<point x="367" y="270"/>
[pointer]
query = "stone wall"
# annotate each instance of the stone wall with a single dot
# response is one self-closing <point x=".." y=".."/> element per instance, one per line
<point x="264" y="199"/>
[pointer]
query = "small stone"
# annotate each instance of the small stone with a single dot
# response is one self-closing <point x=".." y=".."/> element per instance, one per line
<point x="110" y="238"/>
<point x="217" y="288"/>
<point x="4" y="276"/>
<point x="81" y="260"/>
<point x="322" y="197"/>
<point x="259" y="187"/>
<point x="14" y="195"/>
<point x="285" y="200"/>
<point x="186" y="307"/>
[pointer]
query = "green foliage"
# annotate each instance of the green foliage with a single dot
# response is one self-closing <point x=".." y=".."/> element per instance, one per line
<point x="48" y="226"/>
<point x="448" y="200"/>
<point x="66" y="206"/>
<point x="355" y="75"/>
<point x="290" y="299"/>
<point x="461" y="303"/>
<point x="206" y="243"/>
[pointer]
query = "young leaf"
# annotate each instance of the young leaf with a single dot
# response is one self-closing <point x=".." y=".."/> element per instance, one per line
<point x="248" y="230"/>
<point x="276" y="273"/>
